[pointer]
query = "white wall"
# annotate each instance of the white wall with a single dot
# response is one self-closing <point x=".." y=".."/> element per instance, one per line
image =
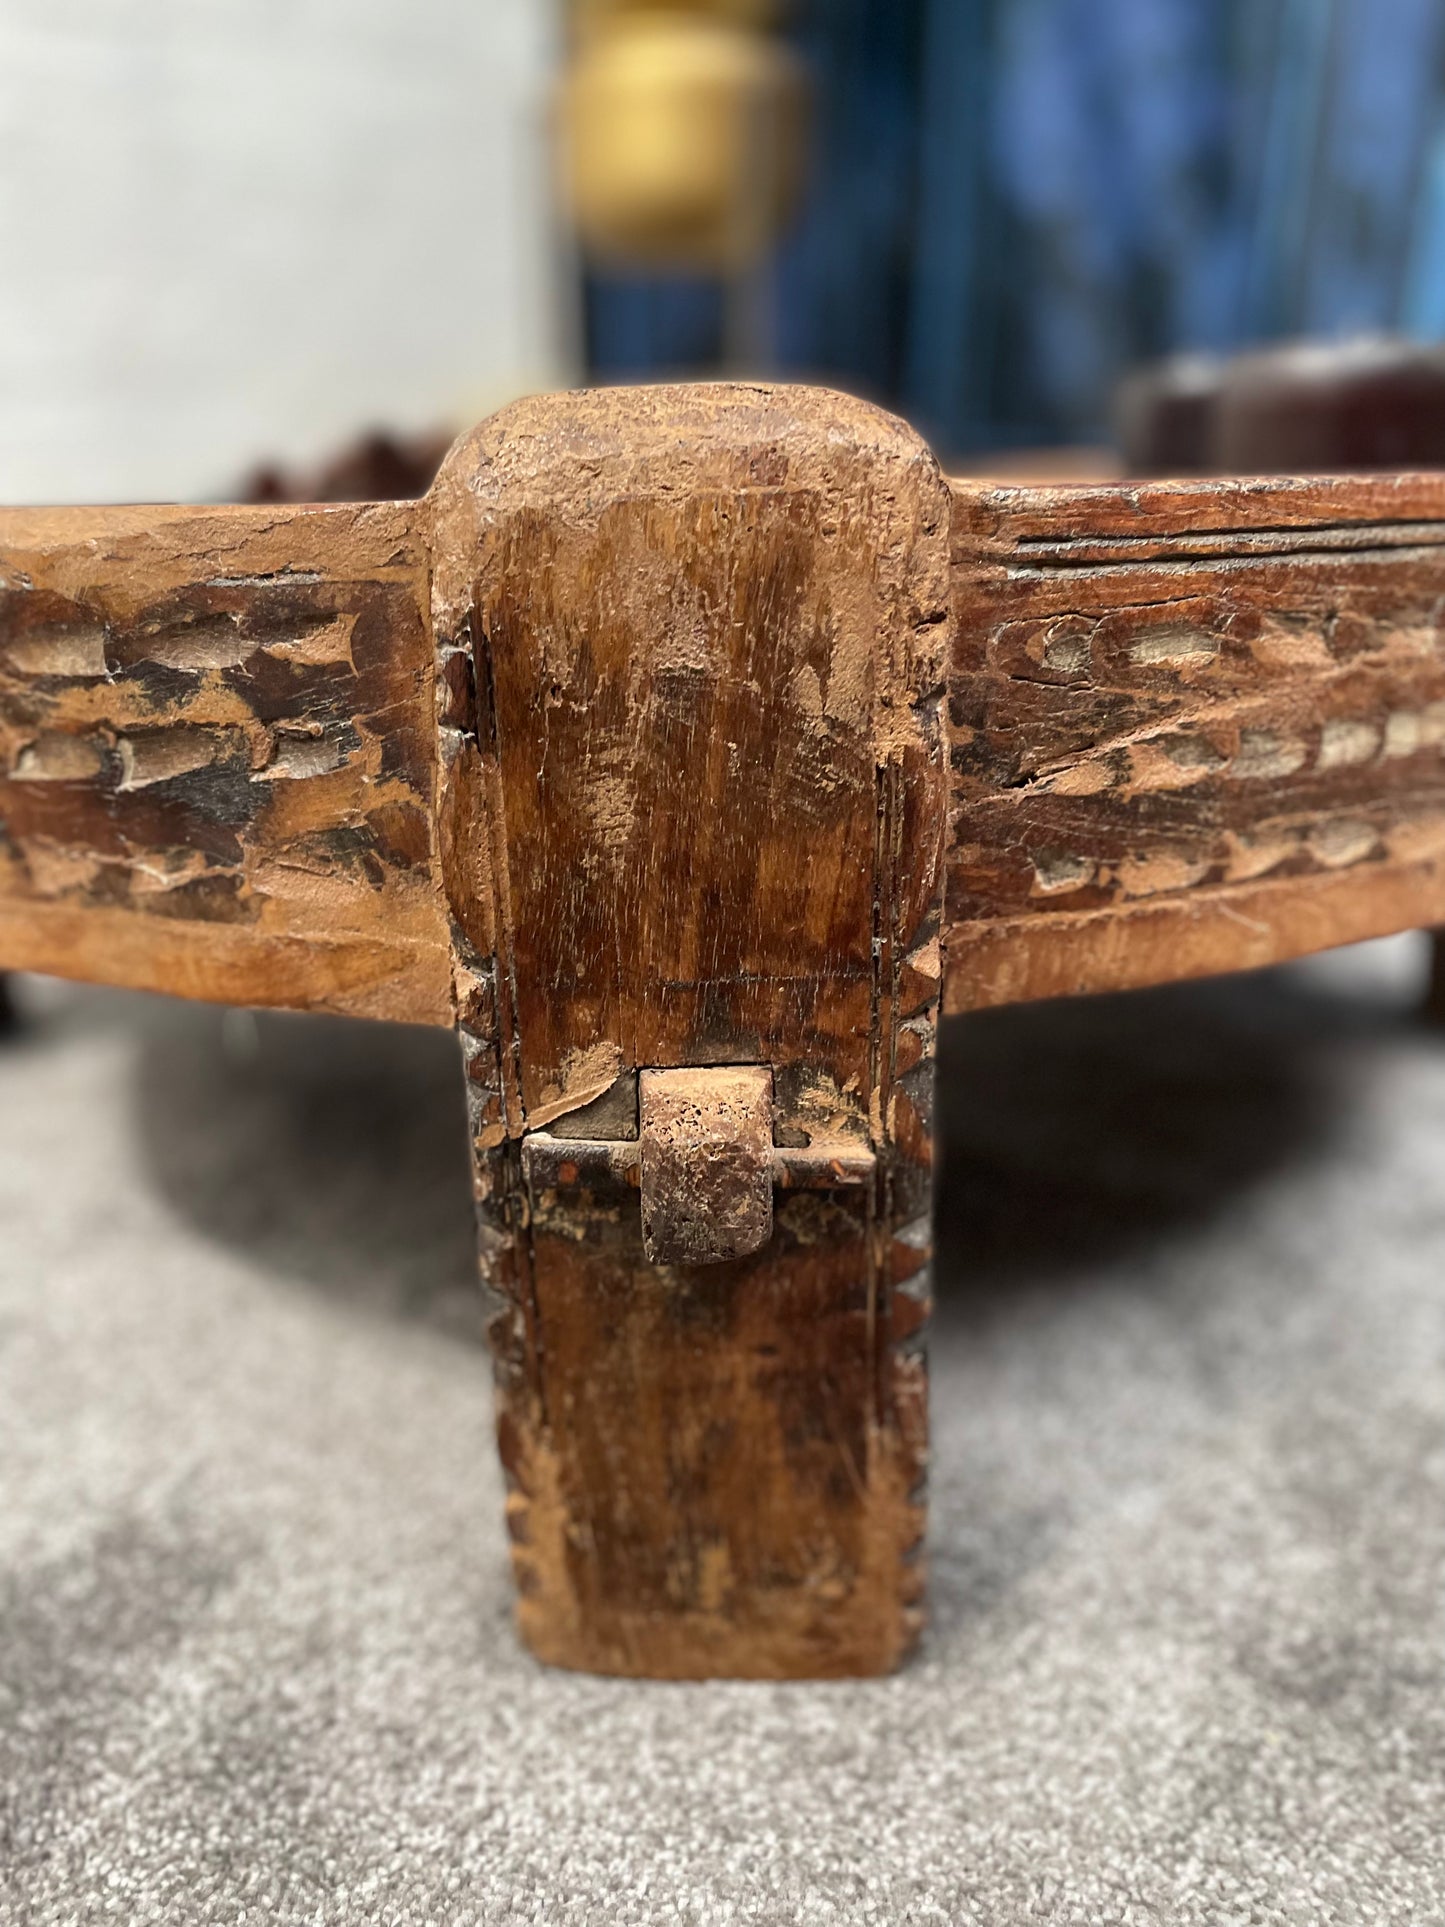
<point x="232" y="229"/>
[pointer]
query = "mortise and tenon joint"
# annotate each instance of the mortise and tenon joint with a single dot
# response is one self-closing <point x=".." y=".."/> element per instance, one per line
<point x="703" y="1157"/>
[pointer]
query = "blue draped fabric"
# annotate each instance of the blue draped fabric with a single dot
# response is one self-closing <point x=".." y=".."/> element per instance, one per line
<point x="1013" y="200"/>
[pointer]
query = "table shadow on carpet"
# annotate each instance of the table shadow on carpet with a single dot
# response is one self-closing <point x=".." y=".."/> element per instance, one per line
<point x="1073" y="1133"/>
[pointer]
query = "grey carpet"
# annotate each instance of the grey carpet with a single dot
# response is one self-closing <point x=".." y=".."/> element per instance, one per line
<point x="1187" y="1661"/>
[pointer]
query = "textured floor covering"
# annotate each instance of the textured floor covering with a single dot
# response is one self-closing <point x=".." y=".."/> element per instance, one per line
<point x="1187" y="1661"/>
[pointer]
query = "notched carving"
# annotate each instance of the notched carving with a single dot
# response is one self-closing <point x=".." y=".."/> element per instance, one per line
<point x="1259" y="722"/>
<point x="65" y="652"/>
<point x="252" y="747"/>
<point x="57" y="757"/>
<point x="160" y="755"/>
<point x="1175" y="644"/>
<point x="299" y="754"/>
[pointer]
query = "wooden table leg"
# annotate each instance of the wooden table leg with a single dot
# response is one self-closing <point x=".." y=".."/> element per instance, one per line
<point x="624" y="752"/>
<point x="693" y="646"/>
<point x="1433" y="1006"/>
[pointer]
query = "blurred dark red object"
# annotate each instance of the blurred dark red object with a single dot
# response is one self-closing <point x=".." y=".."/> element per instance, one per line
<point x="377" y="468"/>
<point x="1163" y="414"/>
<point x="1301" y="407"/>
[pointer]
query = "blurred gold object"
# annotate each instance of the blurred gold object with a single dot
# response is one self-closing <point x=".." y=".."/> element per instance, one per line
<point x="590" y="14"/>
<point x="682" y="138"/>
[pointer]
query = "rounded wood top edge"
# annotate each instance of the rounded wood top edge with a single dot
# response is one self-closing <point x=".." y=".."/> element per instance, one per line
<point x="691" y="427"/>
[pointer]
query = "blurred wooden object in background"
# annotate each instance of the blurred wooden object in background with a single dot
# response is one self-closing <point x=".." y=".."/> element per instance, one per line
<point x="1374" y="403"/>
<point x="379" y="467"/>
<point x="1164" y="416"/>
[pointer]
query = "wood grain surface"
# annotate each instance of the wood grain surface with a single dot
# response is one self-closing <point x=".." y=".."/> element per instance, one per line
<point x="696" y="728"/>
<point x="1196" y="727"/>
<point x="217" y="755"/>
<point x="706" y="631"/>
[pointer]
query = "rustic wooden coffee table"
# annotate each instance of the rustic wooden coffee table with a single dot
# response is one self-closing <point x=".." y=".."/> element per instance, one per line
<point x="687" y="750"/>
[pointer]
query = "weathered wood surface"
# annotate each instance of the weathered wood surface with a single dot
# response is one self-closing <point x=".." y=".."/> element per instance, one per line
<point x="625" y="751"/>
<point x="195" y="797"/>
<point x="705" y="1163"/>
<point x="1196" y="727"/>
<point x="217" y="755"/>
<point x="693" y="809"/>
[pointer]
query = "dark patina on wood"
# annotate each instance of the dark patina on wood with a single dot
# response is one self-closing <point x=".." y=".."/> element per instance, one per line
<point x="625" y="752"/>
<point x="217" y="763"/>
<point x="708" y="631"/>
<point x="1197" y="727"/>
